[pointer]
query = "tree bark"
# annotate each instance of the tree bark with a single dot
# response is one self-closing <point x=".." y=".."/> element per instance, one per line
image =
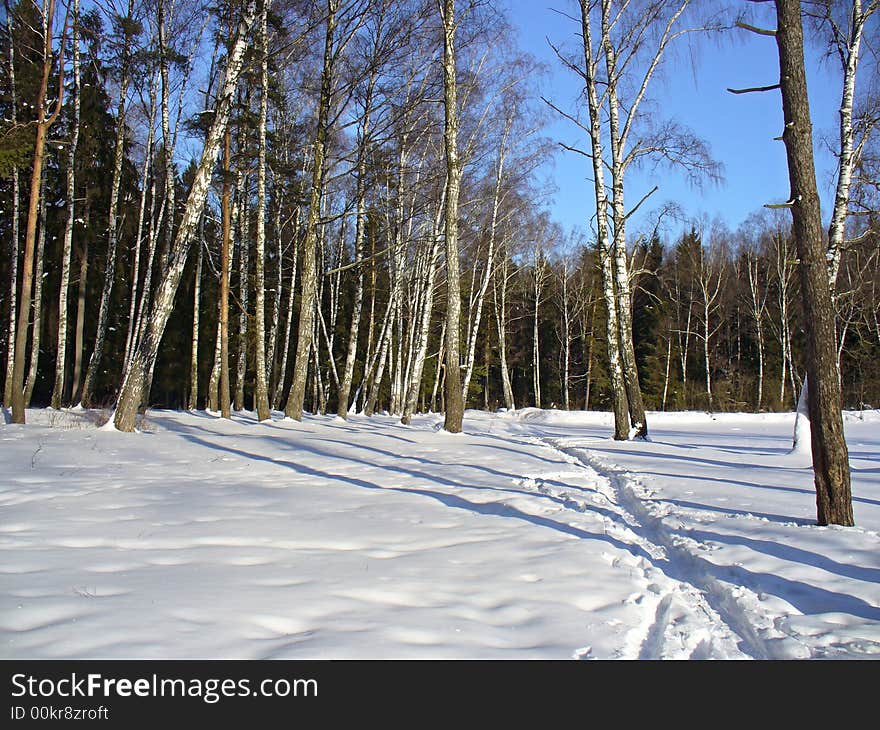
<point x="830" y="455"/>
<point x="261" y="394"/>
<point x="112" y="226"/>
<point x="13" y="252"/>
<point x="138" y="376"/>
<point x="42" y="127"/>
<point x="619" y="399"/>
<point x="454" y="401"/>
<point x="64" y="287"/>
<point x="295" y="400"/>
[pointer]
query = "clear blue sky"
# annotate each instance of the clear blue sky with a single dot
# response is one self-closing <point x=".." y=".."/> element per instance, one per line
<point x="738" y="128"/>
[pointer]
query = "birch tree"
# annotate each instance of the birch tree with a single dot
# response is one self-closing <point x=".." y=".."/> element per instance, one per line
<point x="454" y="401"/>
<point x="138" y="375"/>
<point x="73" y="141"/>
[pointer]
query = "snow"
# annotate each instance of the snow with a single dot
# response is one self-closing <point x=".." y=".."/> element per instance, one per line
<point x="530" y="535"/>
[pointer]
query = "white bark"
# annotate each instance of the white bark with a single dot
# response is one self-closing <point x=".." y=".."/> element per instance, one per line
<point x="261" y="395"/>
<point x="136" y="384"/>
<point x="67" y="248"/>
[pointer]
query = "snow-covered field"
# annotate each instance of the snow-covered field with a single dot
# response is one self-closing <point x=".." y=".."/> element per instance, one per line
<point x="531" y="535"/>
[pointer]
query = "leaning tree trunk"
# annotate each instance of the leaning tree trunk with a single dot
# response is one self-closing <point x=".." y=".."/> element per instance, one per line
<point x="830" y="455"/>
<point x="138" y="376"/>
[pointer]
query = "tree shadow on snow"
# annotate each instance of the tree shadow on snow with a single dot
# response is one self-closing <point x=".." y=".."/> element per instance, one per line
<point x="449" y="500"/>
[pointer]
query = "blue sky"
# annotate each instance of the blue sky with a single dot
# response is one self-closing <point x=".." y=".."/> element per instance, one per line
<point x="738" y="128"/>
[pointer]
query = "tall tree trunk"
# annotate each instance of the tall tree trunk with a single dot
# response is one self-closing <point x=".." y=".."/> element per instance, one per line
<point x="112" y="226"/>
<point x="294" y="406"/>
<point x="830" y="454"/>
<point x="490" y="261"/>
<point x="536" y="349"/>
<point x="285" y="350"/>
<point x="79" y="337"/>
<point x="42" y="127"/>
<point x="454" y="400"/>
<point x="619" y="399"/>
<point x="849" y="49"/>
<point x="13" y="250"/>
<point x="623" y="300"/>
<point x="225" y="268"/>
<point x="36" y="335"/>
<point x="134" y="312"/>
<point x="138" y="376"/>
<point x="261" y="394"/>
<point x="243" y="287"/>
<point x="64" y="287"/>
<point x="194" y="352"/>
<point x="500" y="303"/>
<point x="424" y="330"/>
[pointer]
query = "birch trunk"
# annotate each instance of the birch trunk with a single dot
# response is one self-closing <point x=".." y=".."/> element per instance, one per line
<point x="454" y="401"/>
<point x="80" y="311"/>
<point x="501" y="328"/>
<point x="261" y="394"/>
<point x="136" y="383"/>
<point x="282" y="371"/>
<point x="243" y="288"/>
<point x="623" y="299"/>
<point x="36" y="335"/>
<point x="133" y="320"/>
<point x="619" y="399"/>
<point x="225" y="268"/>
<point x="13" y="254"/>
<point x="294" y="407"/>
<point x="194" y="356"/>
<point x="848" y="50"/>
<point x="61" y="347"/>
<point x="490" y="259"/>
<point x="112" y="227"/>
<point x="424" y="328"/>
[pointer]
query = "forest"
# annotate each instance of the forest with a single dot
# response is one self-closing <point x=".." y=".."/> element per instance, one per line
<point x="316" y="205"/>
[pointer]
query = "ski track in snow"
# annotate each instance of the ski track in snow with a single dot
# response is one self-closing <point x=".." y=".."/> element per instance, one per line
<point x="697" y="588"/>
<point x="687" y="622"/>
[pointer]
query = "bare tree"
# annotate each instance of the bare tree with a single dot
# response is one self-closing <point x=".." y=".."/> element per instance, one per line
<point x="138" y="375"/>
<point x="454" y="401"/>
<point x="830" y="454"/>
<point x="61" y="348"/>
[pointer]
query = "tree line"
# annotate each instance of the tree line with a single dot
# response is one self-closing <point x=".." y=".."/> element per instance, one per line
<point x="333" y="206"/>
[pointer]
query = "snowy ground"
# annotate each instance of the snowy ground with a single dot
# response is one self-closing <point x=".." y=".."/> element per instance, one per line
<point x="531" y="535"/>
